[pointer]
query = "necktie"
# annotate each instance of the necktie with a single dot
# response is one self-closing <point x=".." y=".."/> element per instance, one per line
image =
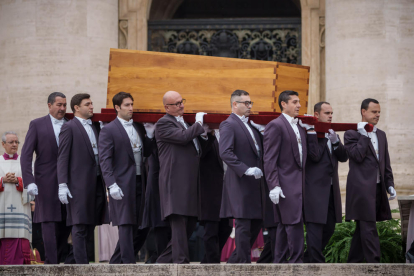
<point x="244" y="119"/>
<point x="58" y="122"/>
<point x="294" y="121"/>
<point x="129" y="123"/>
<point x="86" y="122"/>
<point x="181" y="120"/>
<point x="375" y="129"/>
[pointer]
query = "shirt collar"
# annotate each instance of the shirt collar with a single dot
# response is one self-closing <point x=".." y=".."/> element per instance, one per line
<point x="288" y="118"/>
<point x="243" y="118"/>
<point x="8" y="157"/>
<point x="124" y="122"/>
<point x="84" y="121"/>
<point x="54" y="119"/>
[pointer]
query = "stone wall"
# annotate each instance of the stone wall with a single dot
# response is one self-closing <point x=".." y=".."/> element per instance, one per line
<point x="369" y="53"/>
<point x="47" y="46"/>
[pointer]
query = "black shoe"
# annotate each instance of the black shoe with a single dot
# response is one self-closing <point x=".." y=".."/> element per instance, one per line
<point x="409" y="257"/>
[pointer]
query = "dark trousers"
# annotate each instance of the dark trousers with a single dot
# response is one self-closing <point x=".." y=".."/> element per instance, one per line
<point x="268" y="253"/>
<point x="80" y="236"/>
<point x="365" y="242"/>
<point x="318" y="235"/>
<point x="162" y="235"/>
<point x="246" y="234"/>
<point x="289" y="243"/>
<point x="131" y="238"/>
<point x="215" y="237"/>
<point x="55" y="238"/>
<point x="177" y="249"/>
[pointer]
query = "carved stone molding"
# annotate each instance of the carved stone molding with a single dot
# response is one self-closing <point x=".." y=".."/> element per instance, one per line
<point x="322" y="31"/>
<point x="123" y="34"/>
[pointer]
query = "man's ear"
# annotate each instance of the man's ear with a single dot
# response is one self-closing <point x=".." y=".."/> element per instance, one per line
<point x="316" y="114"/>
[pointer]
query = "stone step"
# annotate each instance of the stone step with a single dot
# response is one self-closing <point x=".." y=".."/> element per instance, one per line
<point x="212" y="270"/>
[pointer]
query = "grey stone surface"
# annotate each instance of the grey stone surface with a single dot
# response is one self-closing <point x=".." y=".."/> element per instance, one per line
<point x="213" y="270"/>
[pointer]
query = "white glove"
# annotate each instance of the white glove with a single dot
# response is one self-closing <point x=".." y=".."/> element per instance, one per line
<point x="64" y="193"/>
<point x="32" y="189"/>
<point x="199" y="117"/>
<point x="333" y="136"/>
<point x="233" y="233"/>
<point x="149" y="128"/>
<point x="256" y="172"/>
<point x="361" y="128"/>
<point x="260" y="128"/>
<point x="115" y="192"/>
<point x="306" y="126"/>
<point x="275" y="194"/>
<point x="392" y="192"/>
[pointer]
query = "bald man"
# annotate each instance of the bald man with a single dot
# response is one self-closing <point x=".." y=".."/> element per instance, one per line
<point x="179" y="154"/>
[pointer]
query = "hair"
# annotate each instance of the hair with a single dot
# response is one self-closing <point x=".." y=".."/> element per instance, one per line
<point x="77" y="99"/>
<point x="237" y="93"/>
<point x="365" y="103"/>
<point x="52" y="97"/>
<point x="119" y="98"/>
<point x="318" y="106"/>
<point x="285" y="97"/>
<point x="3" y="137"/>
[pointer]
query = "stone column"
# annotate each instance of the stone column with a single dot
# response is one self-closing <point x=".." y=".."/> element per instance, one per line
<point x="369" y="54"/>
<point x="47" y="46"/>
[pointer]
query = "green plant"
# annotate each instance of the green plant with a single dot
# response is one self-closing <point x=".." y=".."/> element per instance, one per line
<point x="389" y="233"/>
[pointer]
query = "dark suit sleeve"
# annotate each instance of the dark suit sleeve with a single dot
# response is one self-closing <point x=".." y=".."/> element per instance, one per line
<point x="26" y="157"/>
<point x="65" y="147"/>
<point x="168" y="132"/>
<point x="356" y="145"/>
<point x="206" y="145"/>
<point x="272" y="141"/>
<point x="226" y="148"/>
<point x="340" y="152"/>
<point x="388" y="176"/>
<point x="106" y="153"/>
<point x="315" y="149"/>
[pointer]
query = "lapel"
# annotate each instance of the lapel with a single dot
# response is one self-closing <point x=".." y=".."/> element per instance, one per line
<point x="302" y="133"/>
<point x="329" y="153"/>
<point x="217" y="151"/>
<point x="246" y="132"/>
<point x="85" y="136"/>
<point x="372" y="148"/>
<point x="174" y="120"/>
<point x="51" y="133"/>
<point x="381" y="143"/>
<point x="293" y="140"/>
<point x="125" y="138"/>
<point x="141" y="136"/>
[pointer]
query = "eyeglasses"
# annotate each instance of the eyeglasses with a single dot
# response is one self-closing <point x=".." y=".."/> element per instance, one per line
<point x="179" y="103"/>
<point x="247" y="103"/>
<point x="13" y="142"/>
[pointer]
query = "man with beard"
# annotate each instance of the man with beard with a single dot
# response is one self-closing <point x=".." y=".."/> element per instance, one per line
<point x="322" y="203"/>
<point x="81" y="186"/>
<point x="369" y="178"/>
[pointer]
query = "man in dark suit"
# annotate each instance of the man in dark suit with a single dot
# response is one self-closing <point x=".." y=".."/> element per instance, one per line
<point x="123" y="145"/>
<point x="322" y="203"/>
<point x="243" y="191"/>
<point x="79" y="176"/>
<point x="216" y="230"/>
<point x="369" y="178"/>
<point x="284" y="161"/>
<point x="43" y="138"/>
<point x="179" y="154"/>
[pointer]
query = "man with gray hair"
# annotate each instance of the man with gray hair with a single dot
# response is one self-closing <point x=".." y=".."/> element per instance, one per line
<point x="43" y="139"/>
<point x="15" y="222"/>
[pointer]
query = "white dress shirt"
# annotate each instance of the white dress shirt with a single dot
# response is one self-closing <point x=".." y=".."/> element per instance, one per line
<point x="180" y="119"/>
<point x="57" y="125"/>
<point x="374" y="140"/>
<point x="245" y="120"/>
<point x="136" y="143"/>
<point x="294" y="124"/>
<point x="87" y="124"/>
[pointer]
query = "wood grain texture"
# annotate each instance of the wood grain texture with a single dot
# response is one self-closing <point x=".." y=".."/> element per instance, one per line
<point x="205" y="82"/>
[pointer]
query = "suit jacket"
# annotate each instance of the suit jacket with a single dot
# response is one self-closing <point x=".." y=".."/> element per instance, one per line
<point x="76" y="166"/>
<point x="321" y="171"/>
<point x="40" y="138"/>
<point x="362" y="177"/>
<point x="179" y="166"/>
<point x="211" y="181"/>
<point x="243" y="195"/>
<point x="152" y="211"/>
<point x="118" y="166"/>
<point x="283" y="168"/>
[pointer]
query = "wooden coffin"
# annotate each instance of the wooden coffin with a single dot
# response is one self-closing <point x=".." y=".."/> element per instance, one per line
<point x="205" y="82"/>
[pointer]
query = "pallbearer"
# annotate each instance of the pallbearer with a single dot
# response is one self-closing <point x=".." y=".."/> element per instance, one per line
<point x="243" y="191"/>
<point x="123" y="145"/>
<point x="79" y="177"/>
<point x="322" y="205"/>
<point x="369" y="179"/>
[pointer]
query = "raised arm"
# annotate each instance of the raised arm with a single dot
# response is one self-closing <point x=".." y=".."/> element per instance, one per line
<point x="355" y="146"/>
<point x="315" y="149"/>
<point x="167" y="131"/>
